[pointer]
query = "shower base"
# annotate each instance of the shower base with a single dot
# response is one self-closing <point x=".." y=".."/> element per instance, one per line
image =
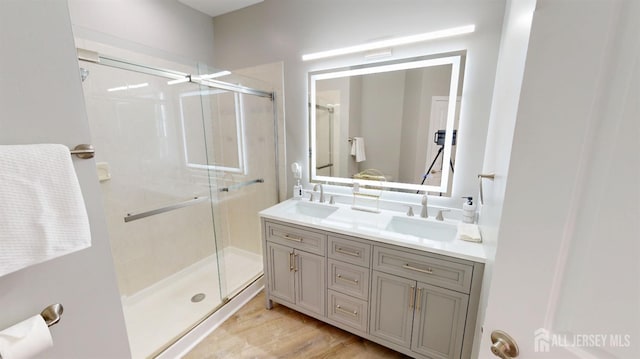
<point x="157" y="315"/>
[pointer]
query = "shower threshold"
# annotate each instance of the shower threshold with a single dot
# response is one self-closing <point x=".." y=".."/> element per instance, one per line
<point x="156" y="316"/>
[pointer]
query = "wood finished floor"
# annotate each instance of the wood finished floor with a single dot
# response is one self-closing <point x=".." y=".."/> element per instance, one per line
<point x="255" y="332"/>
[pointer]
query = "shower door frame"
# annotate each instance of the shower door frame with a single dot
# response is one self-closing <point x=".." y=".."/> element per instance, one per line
<point x="97" y="58"/>
<point x="180" y="77"/>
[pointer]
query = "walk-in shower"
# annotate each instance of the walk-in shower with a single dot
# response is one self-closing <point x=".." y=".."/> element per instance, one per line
<point x="185" y="162"/>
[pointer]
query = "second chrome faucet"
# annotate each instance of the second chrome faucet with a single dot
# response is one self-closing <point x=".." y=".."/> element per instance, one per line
<point x="424" y="213"/>
<point x="315" y="188"/>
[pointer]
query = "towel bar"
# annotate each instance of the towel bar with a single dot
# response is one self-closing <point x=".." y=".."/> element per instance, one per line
<point x="135" y="216"/>
<point x="84" y="151"/>
<point x="240" y="185"/>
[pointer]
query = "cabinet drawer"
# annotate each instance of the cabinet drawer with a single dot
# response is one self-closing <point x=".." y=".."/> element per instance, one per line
<point x="348" y="310"/>
<point x="298" y="238"/>
<point x="349" y="279"/>
<point x="349" y="250"/>
<point x="440" y="272"/>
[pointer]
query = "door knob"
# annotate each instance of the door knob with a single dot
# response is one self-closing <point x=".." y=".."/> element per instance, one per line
<point x="503" y="345"/>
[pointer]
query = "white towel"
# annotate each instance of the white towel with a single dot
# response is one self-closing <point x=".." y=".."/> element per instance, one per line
<point x="469" y="232"/>
<point x="357" y="149"/>
<point x="42" y="212"/>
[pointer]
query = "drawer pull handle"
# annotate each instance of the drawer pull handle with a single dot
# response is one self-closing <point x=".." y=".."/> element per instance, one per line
<point x="347" y="279"/>
<point x="339" y="308"/>
<point x="412" y="297"/>
<point x="427" y="271"/>
<point x="349" y="253"/>
<point x="292" y="238"/>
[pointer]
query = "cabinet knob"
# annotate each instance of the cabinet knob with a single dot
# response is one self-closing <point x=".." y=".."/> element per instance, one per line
<point x="503" y="345"/>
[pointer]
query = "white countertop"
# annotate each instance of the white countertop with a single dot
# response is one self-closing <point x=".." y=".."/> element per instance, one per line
<point x="372" y="226"/>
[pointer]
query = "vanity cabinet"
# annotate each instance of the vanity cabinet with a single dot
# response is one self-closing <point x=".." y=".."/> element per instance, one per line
<point x="416" y="302"/>
<point x="409" y="311"/>
<point x="296" y="267"/>
<point x="348" y="270"/>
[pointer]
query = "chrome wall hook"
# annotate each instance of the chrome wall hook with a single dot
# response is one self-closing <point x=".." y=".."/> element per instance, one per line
<point x="490" y="176"/>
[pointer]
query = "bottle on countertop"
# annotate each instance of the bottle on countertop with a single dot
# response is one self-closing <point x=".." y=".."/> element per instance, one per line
<point x="297" y="191"/>
<point x="468" y="210"/>
<point x="297" y="174"/>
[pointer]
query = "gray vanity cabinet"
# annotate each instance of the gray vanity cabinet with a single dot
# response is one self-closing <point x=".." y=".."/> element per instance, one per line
<point x="392" y="302"/>
<point x="416" y="302"/>
<point x="412" y="305"/>
<point x="426" y="319"/>
<point x="309" y="273"/>
<point x="294" y="275"/>
<point x="281" y="277"/>
<point x="348" y="272"/>
<point x="438" y="322"/>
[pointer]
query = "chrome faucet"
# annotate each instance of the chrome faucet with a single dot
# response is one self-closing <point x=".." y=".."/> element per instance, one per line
<point x="315" y="188"/>
<point x="424" y="213"/>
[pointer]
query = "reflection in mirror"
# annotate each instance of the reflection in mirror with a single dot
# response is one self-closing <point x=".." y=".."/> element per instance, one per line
<point x="225" y="108"/>
<point x="388" y="125"/>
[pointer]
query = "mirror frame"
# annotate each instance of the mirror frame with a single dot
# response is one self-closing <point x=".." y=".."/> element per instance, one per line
<point x="403" y="64"/>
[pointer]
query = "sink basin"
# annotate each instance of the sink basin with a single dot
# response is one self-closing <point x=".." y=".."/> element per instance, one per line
<point x="422" y="228"/>
<point x="315" y="210"/>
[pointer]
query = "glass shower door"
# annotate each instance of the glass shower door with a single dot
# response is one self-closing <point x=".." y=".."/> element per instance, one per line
<point x="241" y="144"/>
<point x="159" y="208"/>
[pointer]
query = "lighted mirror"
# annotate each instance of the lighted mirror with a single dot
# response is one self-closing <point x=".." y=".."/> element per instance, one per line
<point x="391" y="125"/>
<point x="223" y="109"/>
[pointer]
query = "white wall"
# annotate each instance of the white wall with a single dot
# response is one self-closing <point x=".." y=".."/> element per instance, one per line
<point x="284" y="30"/>
<point x="381" y="109"/>
<point x="411" y="118"/>
<point x="419" y="142"/>
<point x="162" y="28"/>
<point x="38" y="34"/>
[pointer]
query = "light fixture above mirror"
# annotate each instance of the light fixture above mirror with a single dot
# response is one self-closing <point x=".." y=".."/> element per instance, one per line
<point x="382" y="44"/>
<point x="386" y="124"/>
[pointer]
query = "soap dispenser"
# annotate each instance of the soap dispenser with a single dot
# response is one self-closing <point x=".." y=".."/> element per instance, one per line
<point x="297" y="174"/>
<point x="468" y="210"/>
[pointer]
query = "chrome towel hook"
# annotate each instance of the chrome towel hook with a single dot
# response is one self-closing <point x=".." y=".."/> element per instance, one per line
<point x="490" y="176"/>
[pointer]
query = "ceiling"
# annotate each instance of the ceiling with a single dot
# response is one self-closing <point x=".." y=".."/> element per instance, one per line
<point x="218" y="7"/>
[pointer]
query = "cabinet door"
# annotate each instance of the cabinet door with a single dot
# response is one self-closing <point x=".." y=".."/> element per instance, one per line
<point x="280" y="269"/>
<point x="439" y="320"/>
<point x="392" y="302"/>
<point x="310" y="272"/>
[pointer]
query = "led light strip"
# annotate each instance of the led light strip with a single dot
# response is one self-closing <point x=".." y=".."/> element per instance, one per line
<point x="391" y="42"/>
